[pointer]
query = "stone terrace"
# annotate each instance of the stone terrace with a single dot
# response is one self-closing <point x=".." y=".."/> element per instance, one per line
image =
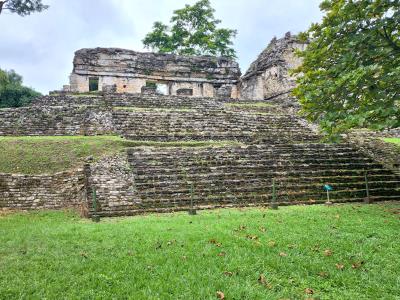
<point x="273" y="144"/>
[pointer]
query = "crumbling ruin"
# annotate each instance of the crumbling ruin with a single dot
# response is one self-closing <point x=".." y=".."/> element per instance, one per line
<point x="269" y="76"/>
<point x="260" y="151"/>
<point x="126" y="71"/>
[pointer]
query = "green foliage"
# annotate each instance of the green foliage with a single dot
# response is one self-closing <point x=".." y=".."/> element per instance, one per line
<point x="12" y="92"/>
<point x="23" y="7"/>
<point x="193" y="31"/>
<point x="151" y="84"/>
<point x="57" y="255"/>
<point x="350" y="76"/>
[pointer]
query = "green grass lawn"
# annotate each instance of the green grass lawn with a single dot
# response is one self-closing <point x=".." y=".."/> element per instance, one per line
<point x="48" y="155"/>
<point x="300" y="252"/>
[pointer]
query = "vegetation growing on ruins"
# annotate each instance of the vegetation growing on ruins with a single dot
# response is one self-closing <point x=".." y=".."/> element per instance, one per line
<point x="12" y="91"/>
<point x="351" y="68"/>
<point x="193" y="31"/>
<point x="393" y="140"/>
<point x="319" y="252"/>
<point x="146" y="109"/>
<point x="48" y="155"/>
<point x="22" y="7"/>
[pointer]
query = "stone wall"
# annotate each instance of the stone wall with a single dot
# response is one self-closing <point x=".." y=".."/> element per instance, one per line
<point x="268" y="76"/>
<point x="114" y="182"/>
<point x="29" y="192"/>
<point x="56" y="121"/>
<point x="371" y="144"/>
<point x="129" y="71"/>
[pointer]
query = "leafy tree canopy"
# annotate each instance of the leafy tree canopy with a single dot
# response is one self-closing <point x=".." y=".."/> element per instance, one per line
<point x="12" y="92"/>
<point x="22" y="7"/>
<point x="350" y="76"/>
<point x="193" y="31"/>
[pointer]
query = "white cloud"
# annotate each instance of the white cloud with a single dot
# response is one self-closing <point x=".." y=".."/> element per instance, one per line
<point x="41" y="46"/>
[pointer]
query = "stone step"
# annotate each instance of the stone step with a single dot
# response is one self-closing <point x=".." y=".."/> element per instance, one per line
<point x="123" y="211"/>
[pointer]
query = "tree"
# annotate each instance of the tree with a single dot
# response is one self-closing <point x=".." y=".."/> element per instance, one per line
<point x="193" y="31"/>
<point x="350" y="75"/>
<point x="22" y="7"/>
<point x="12" y="92"/>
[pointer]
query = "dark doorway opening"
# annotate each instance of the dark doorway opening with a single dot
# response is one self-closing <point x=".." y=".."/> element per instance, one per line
<point x="93" y="84"/>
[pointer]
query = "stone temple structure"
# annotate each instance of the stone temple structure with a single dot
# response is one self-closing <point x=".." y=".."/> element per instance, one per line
<point x="126" y="71"/>
<point x="250" y="151"/>
<point x="268" y="76"/>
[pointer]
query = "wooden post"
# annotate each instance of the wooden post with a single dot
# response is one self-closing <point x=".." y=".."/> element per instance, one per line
<point x="95" y="217"/>
<point x="192" y="210"/>
<point x="274" y="204"/>
<point x="367" y="199"/>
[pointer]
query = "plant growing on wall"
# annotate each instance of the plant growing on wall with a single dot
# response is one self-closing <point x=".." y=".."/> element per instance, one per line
<point x="350" y="76"/>
<point x="193" y="31"/>
<point x="12" y="92"/>
<point x="22" y="7"/>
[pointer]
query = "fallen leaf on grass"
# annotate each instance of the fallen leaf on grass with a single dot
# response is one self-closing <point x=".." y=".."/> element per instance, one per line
<point x="221" y="254"/>
<point x="328" y="252"/>
<point x="184" y="257"/>
<point x="228" y="273"/>
<point x="214" y="242"/>
<point x="323" y="274"/>
<point x="220" y="295"/>
<point x="339" y="266"/>
<point x="262" y="280"/>
<point x="309" y="291"/>
<point x="358" y="264"/>
<point x="272" y="243"/>
<point x="252" y="237"/>
<point x="83" y="254"/>
<point x="282" y="254"/>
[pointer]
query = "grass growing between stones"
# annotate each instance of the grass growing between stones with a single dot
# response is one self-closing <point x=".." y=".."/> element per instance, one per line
<point x="393" y="140"/>
<point x="318" y="252"/>
<point x="250" y="105"/>
<point x="40" y="155"/>
<point x="154" y="110"/>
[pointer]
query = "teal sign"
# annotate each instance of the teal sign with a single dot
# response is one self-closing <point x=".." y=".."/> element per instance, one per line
<point x="328" y="188"/>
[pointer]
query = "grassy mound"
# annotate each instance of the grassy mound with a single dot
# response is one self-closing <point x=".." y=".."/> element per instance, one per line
<point x="48" y="155"/>
<point x="319" y="252"/>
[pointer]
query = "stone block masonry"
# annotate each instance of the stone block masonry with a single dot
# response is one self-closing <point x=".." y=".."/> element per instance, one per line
<point x="268" y="76"/>
<point x="33" y="192"/>
<point x="130" y="71"/>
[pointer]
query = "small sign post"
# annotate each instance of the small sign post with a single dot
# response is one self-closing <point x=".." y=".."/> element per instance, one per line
<point x="328" y="189"/>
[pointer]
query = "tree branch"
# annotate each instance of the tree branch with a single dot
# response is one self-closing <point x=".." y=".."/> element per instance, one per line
<point x="2" y="4"/>
<point x="389" y="39"/>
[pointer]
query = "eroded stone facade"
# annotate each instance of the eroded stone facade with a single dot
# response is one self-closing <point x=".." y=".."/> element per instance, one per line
<point x="126" y="71"/>
<point x="269" y="76"/>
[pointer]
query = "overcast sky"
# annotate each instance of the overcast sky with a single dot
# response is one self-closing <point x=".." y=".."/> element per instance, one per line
<point x="41" y="46"/>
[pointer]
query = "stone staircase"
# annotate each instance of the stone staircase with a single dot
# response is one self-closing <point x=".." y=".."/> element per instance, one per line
<point x="275" y="145"/>
<point x="242" y="176"/>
